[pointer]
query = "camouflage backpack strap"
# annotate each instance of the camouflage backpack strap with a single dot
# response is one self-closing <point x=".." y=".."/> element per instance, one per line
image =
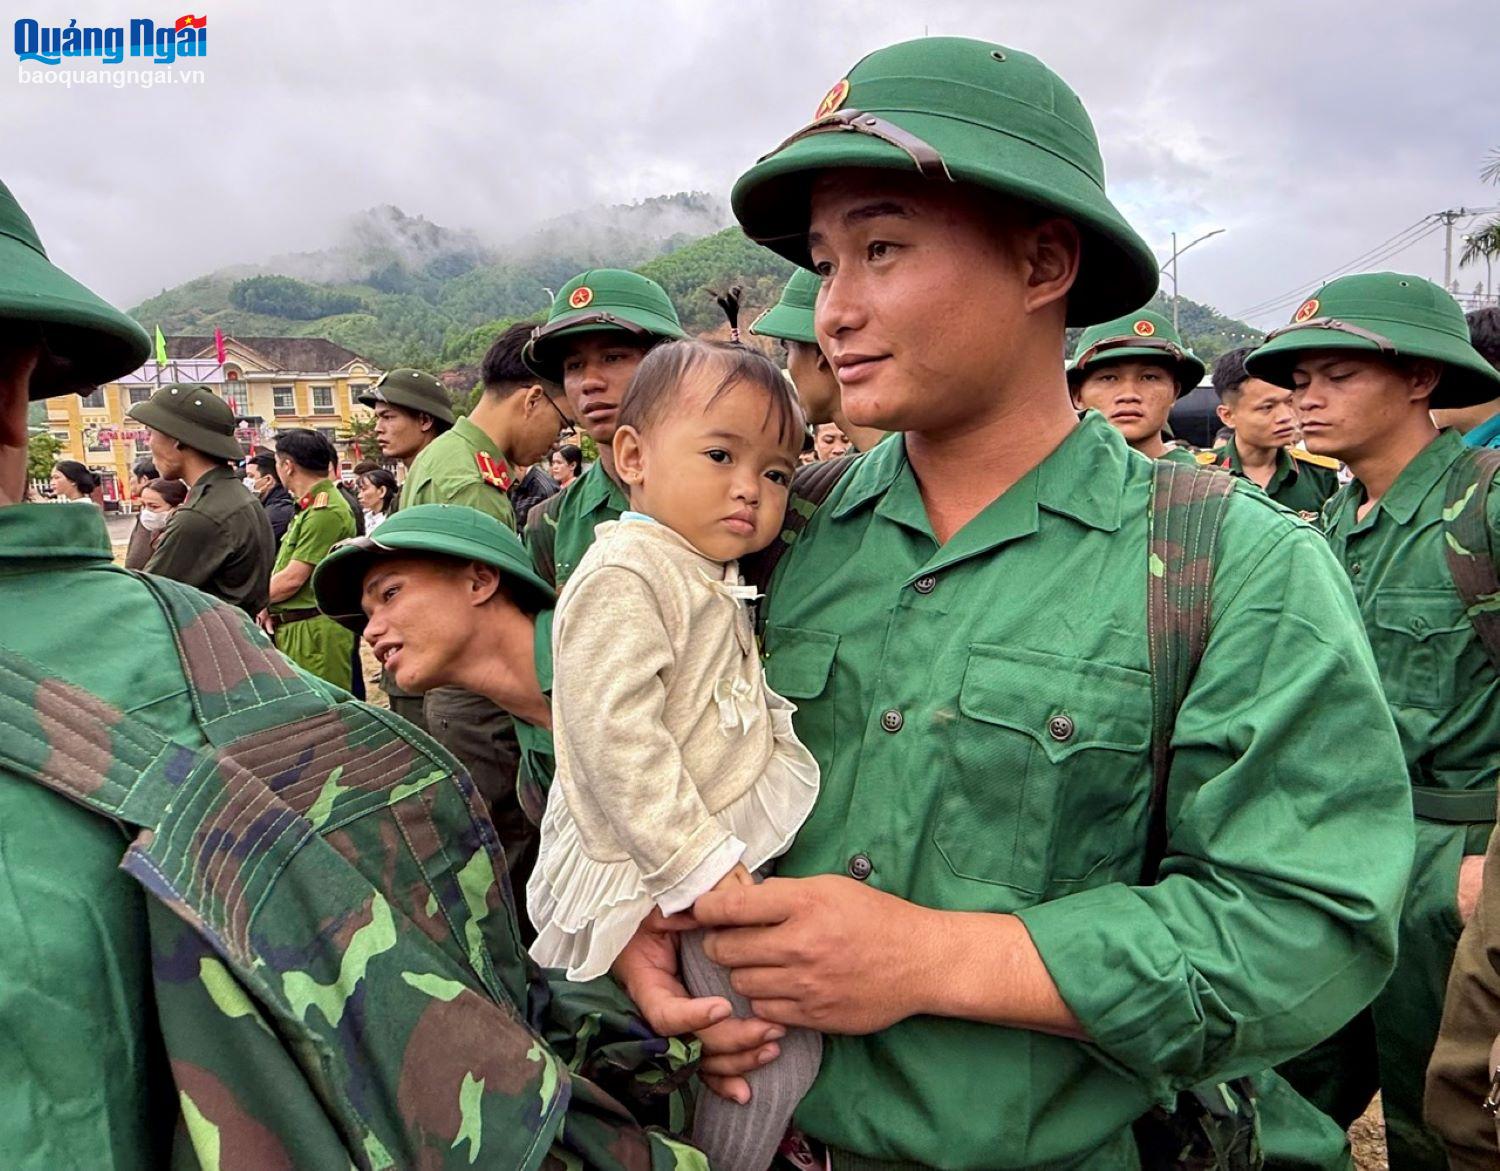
<point x="1187" y="510"/>
<point x="1211" y="1127"/>
<point x="811" y="486"/>
<point x="1469" y="543"/>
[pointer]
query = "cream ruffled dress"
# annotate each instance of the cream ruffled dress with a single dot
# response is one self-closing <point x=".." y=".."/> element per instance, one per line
<point x="675" y="760"/>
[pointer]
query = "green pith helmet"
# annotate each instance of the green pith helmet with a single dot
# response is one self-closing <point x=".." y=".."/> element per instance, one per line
<point x="791" y="318"/>
<point x="448" y="529"/>
<point x="413" y="389"/>
<point x="599" y="301"/>
<point x="1144" y="336"/>
<point x="195" y="416"/>
<point x="1387" y="313"/>
<point x="87" y="342"/>
<point x="959" y="111"/>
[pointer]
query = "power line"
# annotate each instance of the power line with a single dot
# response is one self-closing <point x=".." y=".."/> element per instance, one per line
<point x="1427" y="222"/>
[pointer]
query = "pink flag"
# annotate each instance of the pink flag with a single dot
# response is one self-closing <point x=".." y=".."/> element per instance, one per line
<point x="219" y="345"/>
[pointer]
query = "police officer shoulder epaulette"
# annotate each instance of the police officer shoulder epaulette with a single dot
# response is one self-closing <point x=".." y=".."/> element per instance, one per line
<point x="319" y="501"/>
<point x="1205" y="458"/>
<point x="1322" y="461"/>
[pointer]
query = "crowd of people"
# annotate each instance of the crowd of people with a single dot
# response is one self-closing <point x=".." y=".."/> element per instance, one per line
<point x="913" y="757"/>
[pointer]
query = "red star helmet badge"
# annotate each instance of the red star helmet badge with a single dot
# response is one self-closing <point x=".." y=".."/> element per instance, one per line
<point x="833" y="99"/>
<point x="582" y="295"/>
<point x="493" y="474"/>
<point x="1143" y="328"/>
<point x="1307" y="309"/>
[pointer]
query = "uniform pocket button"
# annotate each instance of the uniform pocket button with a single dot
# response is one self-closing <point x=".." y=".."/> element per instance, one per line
<point x="1060" y="728"/>
<point x="860" y="867"/>
<point x="925" y="585"/>
<point x="892" y="720"/>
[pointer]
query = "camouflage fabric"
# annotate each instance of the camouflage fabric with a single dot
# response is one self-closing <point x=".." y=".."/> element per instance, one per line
<point x="1469" y="545"/>
<point x="337" y="975"/>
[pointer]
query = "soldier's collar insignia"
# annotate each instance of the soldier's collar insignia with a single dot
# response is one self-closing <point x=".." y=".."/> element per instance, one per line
<point x="494" y="474"/>
<point x="833" y="99"/>
<point x="1143" y="328"/>
<point x="581" y="297"/>
<point x="1307" y="309"/>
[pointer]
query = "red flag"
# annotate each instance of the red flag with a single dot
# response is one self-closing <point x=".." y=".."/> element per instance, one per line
<point x="358" y="455"/>
<point x="219" y="345"/>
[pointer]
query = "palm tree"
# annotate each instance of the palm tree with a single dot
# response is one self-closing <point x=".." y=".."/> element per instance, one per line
<point x="1484" y="241"/>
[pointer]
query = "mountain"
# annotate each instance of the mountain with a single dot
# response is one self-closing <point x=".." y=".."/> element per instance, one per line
<point x="402" y="290"/>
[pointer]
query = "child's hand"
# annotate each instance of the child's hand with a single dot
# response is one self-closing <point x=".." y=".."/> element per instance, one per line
<point x="739" y="876"/>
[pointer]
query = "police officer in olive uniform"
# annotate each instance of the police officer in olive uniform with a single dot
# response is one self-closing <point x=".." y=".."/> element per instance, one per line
<point x="962" y="624"/>
<point x="1131" y="370"/>
<point x="412" y="408"/>
<point x="601" y="324"/>
<point x="312" y="641"/>
<point x="1366" y="357"/>
<point x="1264" y="421"/>
<point x="219" y="538"/>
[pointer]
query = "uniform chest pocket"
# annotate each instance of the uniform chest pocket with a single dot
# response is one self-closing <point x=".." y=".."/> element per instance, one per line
<point x="800" y="668"/>
<point x="1049" y="768"/>
<point x="1418" y="636"/>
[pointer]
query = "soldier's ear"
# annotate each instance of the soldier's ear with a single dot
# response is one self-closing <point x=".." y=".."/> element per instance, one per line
<point x="483" y="582"/>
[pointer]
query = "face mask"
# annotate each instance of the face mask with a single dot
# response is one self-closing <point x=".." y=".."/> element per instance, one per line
<point x="251" y="482"/>
<point x="154" y="522"/>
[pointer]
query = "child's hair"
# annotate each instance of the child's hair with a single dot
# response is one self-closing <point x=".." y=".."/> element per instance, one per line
<point x="658" y="381"/>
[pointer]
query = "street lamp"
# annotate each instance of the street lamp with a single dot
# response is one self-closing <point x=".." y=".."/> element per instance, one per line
<point x="1172" y="260"/>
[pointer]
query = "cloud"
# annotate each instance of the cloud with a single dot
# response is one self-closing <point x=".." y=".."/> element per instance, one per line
<point x="1309" y="132"/>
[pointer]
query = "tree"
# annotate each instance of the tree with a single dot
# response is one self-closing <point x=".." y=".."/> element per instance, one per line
<point x="42" y="450"/>
<point x="1486" y="241"/>
<point x="361" y="432"/>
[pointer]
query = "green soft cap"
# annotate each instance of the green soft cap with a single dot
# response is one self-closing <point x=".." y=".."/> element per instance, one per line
<point x="601" y="300"/>
<point x="87" y="342"/>
<point x="1387" y="313"/>
<point x="1144" y="335"/>
<point x="195" y="416"/>
<point x="791" y="318"/>
<point x="415" y="390"/>
<point x="959" y="111"/>
<point x="447" y="529"/>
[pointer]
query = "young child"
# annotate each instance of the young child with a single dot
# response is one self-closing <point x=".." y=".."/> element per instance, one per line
<point x="677" y="768"/>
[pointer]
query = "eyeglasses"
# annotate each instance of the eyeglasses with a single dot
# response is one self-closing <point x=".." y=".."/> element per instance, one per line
<point x="566" y="422"/>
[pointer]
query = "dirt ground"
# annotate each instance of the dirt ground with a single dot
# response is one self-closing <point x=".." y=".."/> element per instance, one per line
<point x="1367" y="1136"/>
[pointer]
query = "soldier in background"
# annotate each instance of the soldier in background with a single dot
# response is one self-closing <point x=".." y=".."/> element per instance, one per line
<point x="1479" y="424"/>
<point x="412" y="408"/>
<point x="220" y="539"/>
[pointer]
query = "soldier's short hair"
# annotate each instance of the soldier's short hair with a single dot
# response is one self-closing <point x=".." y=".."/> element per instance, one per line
<point x="1484" y="334"/>
<point x="658" y="381"/>
<point x="307" y="449"/>
<point x="1230" y="373"/>
<point x="502" y="372"/>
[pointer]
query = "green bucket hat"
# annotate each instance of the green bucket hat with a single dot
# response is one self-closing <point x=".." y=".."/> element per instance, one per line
<point x="87" y="342"/>
<point x="958" y="111"/>
<point x="1144" y="335"/>
<point x="791" y="318"/>
<point x="195" y="416"/>
<point x="1387" y="313"/>
<point x="449" y="529"/>
<point x="413" y="389"/>
<point x="600" y="300"/>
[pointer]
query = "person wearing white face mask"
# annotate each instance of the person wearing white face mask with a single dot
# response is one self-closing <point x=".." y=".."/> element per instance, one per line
<point x="159" y="499"/>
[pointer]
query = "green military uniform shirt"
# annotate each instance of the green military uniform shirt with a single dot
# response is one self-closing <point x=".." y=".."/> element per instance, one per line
<point x="1180" y="455"/>
<point x="981" y="712"/>
<point x="561" y="528"/>
<point x="452" y="469"/>
<point x="318" y="644"/>
<point x="220" y="541"/>
<point x="1299" y="482"/>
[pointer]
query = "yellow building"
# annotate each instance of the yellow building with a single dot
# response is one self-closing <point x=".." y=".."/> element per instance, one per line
<point x="273" y="383"/>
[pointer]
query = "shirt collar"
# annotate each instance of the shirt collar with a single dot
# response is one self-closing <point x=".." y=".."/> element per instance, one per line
<point x="1417" y="479"/>
<point x="1485" y="434"/>
<point x="595" y="487"/>
<point x="52" y="532"/>
<point x="312" y="493"/>
<point x="475" y="437"/>
<point x="1080" y="479"/>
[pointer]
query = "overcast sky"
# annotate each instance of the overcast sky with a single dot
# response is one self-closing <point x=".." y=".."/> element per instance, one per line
<point x="1312" y="132"/>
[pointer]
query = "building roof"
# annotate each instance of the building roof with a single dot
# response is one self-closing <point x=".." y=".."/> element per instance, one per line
<point x="296" y="355"/>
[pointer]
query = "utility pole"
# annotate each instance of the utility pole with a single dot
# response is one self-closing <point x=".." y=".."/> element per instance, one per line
<point x="1449" y="218"/>
<point x="1172" y="260"/>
